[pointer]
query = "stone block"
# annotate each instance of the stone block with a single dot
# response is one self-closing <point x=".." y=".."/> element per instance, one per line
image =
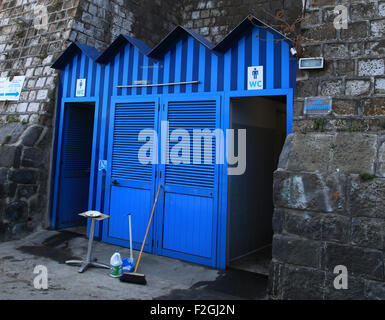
<point x="332" y="88"/>
<point x="377" y="28"/>
<point x="306" y="152"/>
<point x="335" y="228"/>
<point x="31" y="135"/>
<point x="10" y="156"/>
<point x="371" y="67"/>
<point x="278" y="218"/>
<point x="304" y="224"/>
<point x="362" y="11"/>
<point x="26" y="191"/>
<point x="373" y="106"/>
<point x="16" y="211"/>
<point x="299" y="283"/>
<point x="297" y="251"/>
<point x="23" y="176"/>
<point x="344" y="107"/>
<point x="310" y="191"/>
<point x="368" y="232"/>
<point x="379" y="86"/>
<point x="366" y="198"/>
<point x="375" y="290"/>
<point x="357" y="87"/>
<point x="355" y="290"/>
<point x="363" y="158"/>
<point x="359" y="261"/>
<point x="355" y="30"/>
<point x="33" y="158"/>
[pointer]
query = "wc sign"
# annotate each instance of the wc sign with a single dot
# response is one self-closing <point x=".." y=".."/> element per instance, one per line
<point x="80" y="87"/>
<point x="255" y="78"/>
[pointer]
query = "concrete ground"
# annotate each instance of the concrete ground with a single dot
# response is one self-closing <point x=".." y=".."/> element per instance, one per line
<point x="166" y="278"/>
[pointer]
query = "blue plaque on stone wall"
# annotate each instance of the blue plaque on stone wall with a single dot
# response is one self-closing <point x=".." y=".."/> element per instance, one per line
<point x="318" y="105"/>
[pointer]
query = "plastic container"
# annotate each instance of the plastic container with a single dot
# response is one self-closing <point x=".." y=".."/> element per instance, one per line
<point x="116" y="265"/>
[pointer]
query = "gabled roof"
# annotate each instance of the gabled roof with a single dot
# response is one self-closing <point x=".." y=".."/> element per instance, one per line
<point x="248" y="23"/>
<point x="118" y="43"/>
<point x="173" y="36"/>
<point x="73" y="48"/>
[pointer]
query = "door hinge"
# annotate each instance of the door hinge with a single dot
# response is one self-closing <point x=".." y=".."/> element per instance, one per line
<point x="152" y="243"/>
<point x="160" y="175"/>
<point x="158" y="107"/>
<point x="163" y="107"/>
<point x="156" y="173"/>
<point x="157" y="243"/>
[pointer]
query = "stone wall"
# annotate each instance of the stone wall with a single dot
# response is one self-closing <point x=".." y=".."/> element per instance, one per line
<point x="216" y="18"/>
<point x="26" y="126"/>
<point x="329" y="189"/>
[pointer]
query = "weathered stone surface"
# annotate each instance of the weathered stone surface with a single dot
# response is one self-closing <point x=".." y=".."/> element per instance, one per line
<point x="355" y="290"/>
<point x="359" y="261"/>
<point x="366" y="198"/>
<point x="367" y="232"/>
<point x="306" y="152"/>
<point x="375" y="290"/>
<point x="9" y="156"/>
<point x="24" y="176"/>
<point x="363" y="158"/>
<point x="33" y="158"/>
<point x="278" y="218"/>
<point x="309" y="191"/>
<point x="381" y="158"/>
<point x="26" y="191"/>
<point x="335" y="228"/>
<point x="16" y="211"/>
<point x="300" y="283"/>
<point x="304" y="224"/>
<point x="31" y="135"/>
<point x="297" y="251"/>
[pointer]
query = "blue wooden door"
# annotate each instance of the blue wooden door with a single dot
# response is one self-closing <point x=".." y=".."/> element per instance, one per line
<point x="130" y="183"/>
<point x="187" y="215"/>
<point x="75" y="165"/>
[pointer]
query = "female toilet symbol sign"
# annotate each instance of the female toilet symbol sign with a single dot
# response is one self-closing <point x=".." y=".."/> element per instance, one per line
<point x="80" y="87"/>
<point x="255" y="78"/>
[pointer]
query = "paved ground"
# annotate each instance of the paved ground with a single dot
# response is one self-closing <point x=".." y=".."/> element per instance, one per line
<point x="166" y="278"/>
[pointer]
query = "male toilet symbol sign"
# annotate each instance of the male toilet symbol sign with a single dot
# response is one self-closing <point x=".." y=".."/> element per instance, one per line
<point x="80" y="87"/>
<point x="255" y="78"/>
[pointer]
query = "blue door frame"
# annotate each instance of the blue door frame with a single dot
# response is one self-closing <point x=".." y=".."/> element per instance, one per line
<point x="54" y="223"/>
<point x="222" y="177"/>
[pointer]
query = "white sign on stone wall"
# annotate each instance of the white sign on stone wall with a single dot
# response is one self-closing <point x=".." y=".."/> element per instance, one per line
<point x="11" y="90"/>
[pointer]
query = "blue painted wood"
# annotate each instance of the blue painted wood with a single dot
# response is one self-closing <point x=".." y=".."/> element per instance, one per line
<point x="182" y="58"/>
<point x="129" y="182"/>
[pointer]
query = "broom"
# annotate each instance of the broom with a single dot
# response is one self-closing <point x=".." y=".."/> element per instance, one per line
<point x="134" y="277"/>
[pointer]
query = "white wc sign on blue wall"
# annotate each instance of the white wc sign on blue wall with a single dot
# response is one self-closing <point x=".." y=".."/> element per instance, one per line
<point x="255" y="78"/>
<point x="80" y="88"/>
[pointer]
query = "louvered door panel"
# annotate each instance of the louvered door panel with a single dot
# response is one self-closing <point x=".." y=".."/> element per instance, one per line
<point x="189" y="203"/>
<point x="131" y="181"/>
<point x="190" y="115"/>
<point x="130" y="119"/>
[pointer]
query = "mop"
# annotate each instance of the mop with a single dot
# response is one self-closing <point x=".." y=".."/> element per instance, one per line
<point x="134" y="277"/>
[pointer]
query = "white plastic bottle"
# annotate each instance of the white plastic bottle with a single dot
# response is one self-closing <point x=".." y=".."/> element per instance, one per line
<point x="116" y="265"/>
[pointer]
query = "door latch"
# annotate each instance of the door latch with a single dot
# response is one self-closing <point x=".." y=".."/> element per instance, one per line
<point x="116" y="183"/>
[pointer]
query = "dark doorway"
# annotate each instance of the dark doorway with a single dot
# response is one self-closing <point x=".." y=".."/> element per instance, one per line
<point x="250" y="201"/>
<point x="75" y="164"/>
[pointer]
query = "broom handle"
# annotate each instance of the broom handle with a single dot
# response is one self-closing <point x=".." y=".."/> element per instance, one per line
<point x="148" y="228"/>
